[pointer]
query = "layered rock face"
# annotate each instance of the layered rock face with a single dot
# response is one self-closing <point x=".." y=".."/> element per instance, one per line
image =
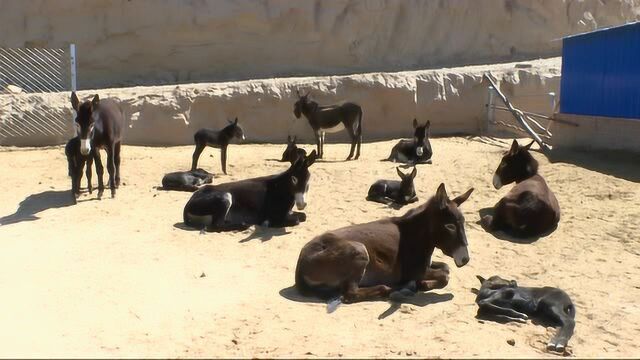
<point x="152" y="42"/>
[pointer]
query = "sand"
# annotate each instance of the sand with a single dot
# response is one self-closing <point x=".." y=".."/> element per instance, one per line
<point x="117" y="277"/>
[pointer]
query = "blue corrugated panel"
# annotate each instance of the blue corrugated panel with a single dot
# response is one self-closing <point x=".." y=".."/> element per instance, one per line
<point x="601" y="73"/>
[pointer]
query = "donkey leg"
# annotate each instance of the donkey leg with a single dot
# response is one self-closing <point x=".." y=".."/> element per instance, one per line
<point x="359" y="138"/>
<point x="436" y="277"/>
<point x="99" y="171"/>
<point x="223" y="159"/>
<point x="89" y="174"/>
<point x="319" y="143"/>
<point x="561" y="339"/>
<point x="117" y="163"/>
<point x="111" y="169"/>
<point x="196" y="155"/>
<point x="354" y="293"/>
<point x="353" y="145"/>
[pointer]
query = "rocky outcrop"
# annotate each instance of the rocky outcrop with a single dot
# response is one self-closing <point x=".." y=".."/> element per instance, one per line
<point x="152" y="42"/>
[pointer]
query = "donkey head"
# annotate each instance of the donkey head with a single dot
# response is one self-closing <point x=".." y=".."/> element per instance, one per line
<point x="407" y="190"/>
<point x="516" y="165"/>
<point x="292" y="151"/>
<point x="495" y="290"/>
<point x="86" y="116"/>
<point x="303" y="105"/>
<point x="421" y="138"/>
<point x="299" y="178"/>
<point x="447" y="225"/>
<point x="235" y="129"/>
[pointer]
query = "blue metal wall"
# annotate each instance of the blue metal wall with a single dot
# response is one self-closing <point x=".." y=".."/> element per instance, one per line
<point x="601" y="73"/>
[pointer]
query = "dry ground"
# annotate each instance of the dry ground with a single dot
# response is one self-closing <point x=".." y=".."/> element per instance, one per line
<point x="117" y="278"/>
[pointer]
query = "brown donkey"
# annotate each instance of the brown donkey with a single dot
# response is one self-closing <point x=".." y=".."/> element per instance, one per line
<point x="530" y="209"/>
<point x="369" y="261"/>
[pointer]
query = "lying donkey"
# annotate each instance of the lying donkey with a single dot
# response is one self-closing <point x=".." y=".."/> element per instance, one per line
<point x="292" y="152"/>
<point x="75" y="162"/>
<point x="414" y="151"/>
<point x="266" y="201"/>
<point x="504" y="299"/>
<point x="530" y="208"/>
<point x="216" y="139"/>
<point x="186" y="180"/>
<point x="368" y="261"/>
<point x="331" y="118"/>
<point x="393" y="191"/>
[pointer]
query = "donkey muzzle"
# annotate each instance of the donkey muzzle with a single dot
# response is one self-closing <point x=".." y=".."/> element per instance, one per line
<point x="461" y="256"/>
<point x="85" y="146"/>
<point x="300" y="201"/>
<point x="497" y="182"/>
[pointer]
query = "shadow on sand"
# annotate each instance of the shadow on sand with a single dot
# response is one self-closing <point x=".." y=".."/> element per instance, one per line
<point x="621" y="164"/>
<point x="36" y="203"/>
<point x="395" y="300"/>
<point x="259" y="232"/>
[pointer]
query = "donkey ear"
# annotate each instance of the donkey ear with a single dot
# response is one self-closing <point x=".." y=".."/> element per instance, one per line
<point x="428" y="124"/>
<point x="294" y="180"/>
<point x="295" y="138"/>
<point x="75" y="102"/>
<point x="96" y="101"/>
<point x="514" y="147"/>
<point x="414" y="173"/>
<point x="235" y="122"/>
<point x="311" y="158"/>
<point x="415" y="123"/>
<point x="441" y="197"/>
<point x="400" y="173"/>
<point x="475" y="291"/>
<point x="288" y="139"/>
<point x="482" y="280"/>
<point x="528" y="146"/>
<point x="462" y="198"/>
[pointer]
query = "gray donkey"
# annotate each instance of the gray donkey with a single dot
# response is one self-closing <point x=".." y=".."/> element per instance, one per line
<point x="331" y="118"/>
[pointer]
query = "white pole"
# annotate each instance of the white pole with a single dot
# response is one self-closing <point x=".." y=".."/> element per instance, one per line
<point x="72" y="54"/>
<point x="490" y="109"/>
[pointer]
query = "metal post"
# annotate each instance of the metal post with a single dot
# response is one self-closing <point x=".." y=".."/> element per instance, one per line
<point x="553" y="102"/>
<point x="490" y="109"/>
<point x="72" y="55"/>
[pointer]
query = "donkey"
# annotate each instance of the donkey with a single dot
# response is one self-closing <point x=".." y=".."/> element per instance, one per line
<point x="216" y="139"/>
<point x="530" y="208"/>
<point x="331" y="118"/>
<point x="266" y="201"/>
<point x="186" y="180"/>
<point x="99" y="125"/>
<point x="505" y="300"/>
<point x="292" y="152"/>
<point x="394" y="192"/>
<point x="415" y="151"/>
<point x="75" y="162"/>
<point x="368" y="261"/>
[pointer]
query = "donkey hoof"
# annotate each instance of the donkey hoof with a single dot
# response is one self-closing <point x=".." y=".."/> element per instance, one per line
<point x="76" y="195"/>
<point x="113" y="194"/>
<point x="100" y="192"/>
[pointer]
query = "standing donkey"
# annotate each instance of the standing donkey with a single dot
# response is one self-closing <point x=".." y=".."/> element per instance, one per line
<point x="331" y="118"/>
<point x="99" y="125"/>
<point x="216" y="139"/>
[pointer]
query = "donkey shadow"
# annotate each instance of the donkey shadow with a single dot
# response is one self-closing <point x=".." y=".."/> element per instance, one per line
<point x="259" y="232"/>
<point x="502" y="235"/>
<point x="395" y="301"/>
<point x="33" y="204"/>
<point x="265" y="233"/>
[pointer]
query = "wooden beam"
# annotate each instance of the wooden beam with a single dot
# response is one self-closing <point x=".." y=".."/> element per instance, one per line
<point x="518" y="115"/>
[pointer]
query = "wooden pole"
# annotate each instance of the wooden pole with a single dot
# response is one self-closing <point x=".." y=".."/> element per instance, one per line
<point x="518" y="115"/>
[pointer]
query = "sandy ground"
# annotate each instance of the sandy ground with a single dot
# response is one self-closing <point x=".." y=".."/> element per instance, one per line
<point x="117" y="278"/>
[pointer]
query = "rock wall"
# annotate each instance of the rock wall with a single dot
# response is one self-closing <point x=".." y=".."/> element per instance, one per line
<point x="152" y="42"/>
<point x="453" y="99"/>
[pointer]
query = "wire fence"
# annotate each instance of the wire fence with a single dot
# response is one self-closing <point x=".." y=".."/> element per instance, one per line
<point x="25" y="75"/>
